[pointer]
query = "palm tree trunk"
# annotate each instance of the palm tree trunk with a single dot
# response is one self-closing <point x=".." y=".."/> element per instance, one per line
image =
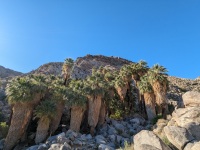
<point x="19" y="123"/>
<point x="76" y="118"/>
<point x="102" y="114"/>
<point x="21" y="116"/>
<point x="42" y="130"/>
<point x="150" y="105"/>
<point x="122" y="92"/>
<point x="161" y="100"/>
<point x="56" y="120"/>
<point x="94" y="110"/>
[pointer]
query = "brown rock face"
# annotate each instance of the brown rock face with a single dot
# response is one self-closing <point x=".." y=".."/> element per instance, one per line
<point x="83" y="65"/>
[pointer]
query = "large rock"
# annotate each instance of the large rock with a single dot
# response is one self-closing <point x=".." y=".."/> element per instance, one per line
<point x="183" y="116"/>
<point x="191" y="98"/>
<point x="196" y="146"/>
<point x="178" y="136"/>
<point x="147" y="140"/>
<point x="158" y="127"/>
<point x="194" y="130"/>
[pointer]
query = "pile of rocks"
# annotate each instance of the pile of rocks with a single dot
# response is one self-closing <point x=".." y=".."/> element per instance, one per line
<point x="112" y="135"/>
<point x="181" y="131"/>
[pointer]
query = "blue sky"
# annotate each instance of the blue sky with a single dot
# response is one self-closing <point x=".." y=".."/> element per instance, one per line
<point x="167" y="32"/>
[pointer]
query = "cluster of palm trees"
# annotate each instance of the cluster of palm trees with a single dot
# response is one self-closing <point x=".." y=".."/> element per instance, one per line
<point x="43" y="98"/>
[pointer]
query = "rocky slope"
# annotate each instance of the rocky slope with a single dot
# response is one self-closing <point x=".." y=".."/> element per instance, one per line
<point x="5" y="72"/>
<point x="83" y="65"/>
<point x="54" y="68"/>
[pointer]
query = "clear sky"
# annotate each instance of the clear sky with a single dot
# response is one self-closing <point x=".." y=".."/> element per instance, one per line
<point x="34" y="32"/>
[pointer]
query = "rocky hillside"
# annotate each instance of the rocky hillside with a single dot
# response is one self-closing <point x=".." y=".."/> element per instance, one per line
<point x="5" y="72"/>
<point x="54" y="68"/>
<point x="83" y="65"/>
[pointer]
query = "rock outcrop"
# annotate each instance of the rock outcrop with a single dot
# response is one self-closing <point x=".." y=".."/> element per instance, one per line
<point x="182" y="129"/>
<point x="83" y="65"/>
<point x="191" y="98"/>
<point x="147" y="140"/>
<point x="52" y="68"/>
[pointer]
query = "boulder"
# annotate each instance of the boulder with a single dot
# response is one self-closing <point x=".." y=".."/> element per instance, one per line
<point x="178" y="136"/>
<point x="191" y="98"/>
<point x="189" y="146"/>
<point x="147" y="140"/>
<point x="183" y="116"/>
<point x="196" y="146"/>
<point x="194" y="129"/>
<point x="158" y="127"/>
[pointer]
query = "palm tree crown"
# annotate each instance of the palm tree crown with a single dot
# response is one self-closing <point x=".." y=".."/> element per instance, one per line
<point x="144" y="85"/>
<point x="75" y="94"/>
<point x="157" y="73"/>
<point x="46" y="110"/>
<point x="23" y="89"/>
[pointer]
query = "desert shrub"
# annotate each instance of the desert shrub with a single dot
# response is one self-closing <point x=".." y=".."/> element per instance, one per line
<point x="127" y="146"/>
<point x="3" y="129"/>
<point x="118" y="114"/>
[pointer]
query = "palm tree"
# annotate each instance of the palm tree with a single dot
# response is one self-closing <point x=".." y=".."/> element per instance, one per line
<point x="45" y="112"/>
<point x="95" y="87"/>
<point x="158" y="80"/>
<point x="57" y="91"/>
<point x="149" y="97"/>
<point x="77" y="101"/>
<point x="67" y="68"/>
<point x="23" y="93"/>
<point x="122" y="81"/>
<point x="109" y="77"/>
<point x="138" y="70"/>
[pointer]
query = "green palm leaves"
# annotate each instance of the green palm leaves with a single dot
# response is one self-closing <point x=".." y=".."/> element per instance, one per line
<point x="157" y="73"/>
<point x="46" y="110"/>
<point x="144" y="85"/>
<point x="23" y="89"/>
<point x="95" y="84"/>
<point x="67" y="68"/>
<point x="75" y="94"/>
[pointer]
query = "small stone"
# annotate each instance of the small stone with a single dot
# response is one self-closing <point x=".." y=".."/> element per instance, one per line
<point x="77" y="142"/>
<point x="62" y="140"/>
<point x="2" y="143"/>
<point x="118" y="139"/>
<point x="119" y="127"/>
<point x="35" y="147"/>
<point x="61" y="135"/>
<point x="112" y="130"/>
<point x="100" y="139"/>
<point x="42" y="147"/>
<point x="112" y="138"/>
<point x="88" y="137"/>
<point x="83" y="137"/>
<point x="105" y="147"/>
<point x="55" y="147"/>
